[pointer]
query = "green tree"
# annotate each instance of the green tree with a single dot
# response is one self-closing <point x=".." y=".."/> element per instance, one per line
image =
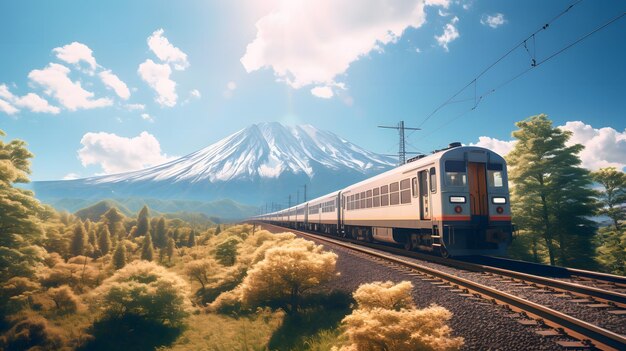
<point x="191" y="242"/>
<point x="104" y="241"/>
<point x="160" y="239"/>
<point x="171" y="246"/>
<point x="613" y="197"/>
<point x="119" y="255"/>
<point x="20" y="226"/>
<point x="79" y="239"/>
<point x="143" y="222"/>
<point x="612" y="238"/>
<point x="226" y="251"/>
<point x="114" y="220"/>
<point x="147" y="250"/>
<point x="552" y="198"/>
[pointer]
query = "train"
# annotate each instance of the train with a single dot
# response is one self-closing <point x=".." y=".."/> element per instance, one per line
<point x="452" y="202"/>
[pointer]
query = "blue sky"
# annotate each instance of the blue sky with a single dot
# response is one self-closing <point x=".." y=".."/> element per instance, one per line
<point x="103" y="87"/>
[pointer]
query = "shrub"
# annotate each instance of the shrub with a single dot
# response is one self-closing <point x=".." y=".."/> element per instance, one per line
<point x="64" y="299"/>
<point x="147" y="290"/>
<point x="287" y="272"/>
<point x="204" y="271"/>
<point x="226" y="251"/>
<point x="34" y="333"/>
<point x="387" y="319"/>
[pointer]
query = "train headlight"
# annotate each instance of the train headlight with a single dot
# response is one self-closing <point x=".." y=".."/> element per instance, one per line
<point x="458" y="209"/>
<point x="500" y="209"/>
<point x="498" y="200"/>
<point x="457" y="199"/>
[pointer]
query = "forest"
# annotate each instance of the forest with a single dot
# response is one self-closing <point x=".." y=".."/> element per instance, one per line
<point x="100" y="279"/>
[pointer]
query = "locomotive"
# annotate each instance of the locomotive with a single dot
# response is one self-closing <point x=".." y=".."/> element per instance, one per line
<point x="453" y="202"/>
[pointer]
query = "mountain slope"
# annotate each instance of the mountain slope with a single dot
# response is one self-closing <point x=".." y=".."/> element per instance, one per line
<point x="249" y="166"/>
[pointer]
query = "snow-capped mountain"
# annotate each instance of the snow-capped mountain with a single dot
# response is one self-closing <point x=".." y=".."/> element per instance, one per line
<point x="249" y="166"/>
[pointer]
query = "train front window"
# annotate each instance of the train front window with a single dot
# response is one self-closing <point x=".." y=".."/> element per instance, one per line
<point x="456" y="173"/>
<point x="494" y="175"/>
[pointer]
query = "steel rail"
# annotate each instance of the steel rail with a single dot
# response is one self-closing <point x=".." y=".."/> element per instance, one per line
<point x="599" y="337"/>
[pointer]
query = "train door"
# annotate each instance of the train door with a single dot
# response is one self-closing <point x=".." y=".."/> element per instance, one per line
<point x="424" y="195"/>
<point x="478" y="189"/>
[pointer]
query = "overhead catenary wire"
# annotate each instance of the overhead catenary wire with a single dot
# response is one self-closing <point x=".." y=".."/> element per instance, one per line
<point x="537" y="64"/>
<point x="534" y="64"/>
<point x="489" y="67"/>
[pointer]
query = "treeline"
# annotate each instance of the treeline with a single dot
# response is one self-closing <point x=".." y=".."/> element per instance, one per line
<point x="566" y="215"/>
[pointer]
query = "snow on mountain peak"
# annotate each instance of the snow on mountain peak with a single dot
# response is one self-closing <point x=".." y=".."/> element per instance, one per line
<point x="264" y="150"/>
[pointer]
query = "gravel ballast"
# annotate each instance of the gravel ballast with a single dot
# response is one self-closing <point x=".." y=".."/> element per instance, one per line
<point x="483" y="325"/>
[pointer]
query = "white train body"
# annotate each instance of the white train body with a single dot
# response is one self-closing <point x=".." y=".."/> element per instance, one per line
<point x="454" y="201"/>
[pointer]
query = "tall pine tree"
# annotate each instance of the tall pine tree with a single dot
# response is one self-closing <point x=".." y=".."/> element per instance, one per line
<point x="552" y="196"/>
<point x="104" y="241"/>
<point x="119" y="256"/>
<point x="147" y="250"/>
<point x="143" y="222"/>
<point x="612" y="238"/>
<point x="79" y="240"/>
<point x="160" y="239"/>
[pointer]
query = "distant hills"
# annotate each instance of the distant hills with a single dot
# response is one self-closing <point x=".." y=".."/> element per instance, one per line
<point x="263" y="162"/>
<point x="215" y="211"/>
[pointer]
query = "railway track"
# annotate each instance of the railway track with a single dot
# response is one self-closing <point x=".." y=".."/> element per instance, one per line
<point x="598" y="280"/>
<point x="590" y="335"/>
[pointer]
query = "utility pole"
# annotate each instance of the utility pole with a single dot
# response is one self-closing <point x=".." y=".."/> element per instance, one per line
<point x="297" y="196"/>
<point x="304" y="192"/>
<point x="402" y="147"/>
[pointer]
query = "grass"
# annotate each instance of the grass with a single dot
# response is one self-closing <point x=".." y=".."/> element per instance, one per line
<point x="225" y="333"/>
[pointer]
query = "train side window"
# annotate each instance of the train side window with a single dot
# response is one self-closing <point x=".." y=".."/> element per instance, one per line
<point x="414" y="186"/>
<point x="376" y="197"/>
<point x="494" y="175"/>
<point x="357" y="203"/>
<point x="363" y="202"/>
<point x="384" y="197"/>
<point x="368" y="195"/>
<point x="433" y="180"/>
<point x="456" y="173"/>
<point x="405" y="191"/>
<point x="394" y="195"/>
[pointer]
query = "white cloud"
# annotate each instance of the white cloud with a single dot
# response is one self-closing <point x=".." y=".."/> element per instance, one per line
<point x="5" y="93"/>
<point x="494" y="21"/>
<point x="117" y="154"/>
<point x="500" y="147"/>
<point x="71" y="176"/>
<point x="113" y="82"/>
<point x="8" y="108"/>
<point x="30" y="101"/>
<point x="418" y="50"/>
<point x="450" y="33"/>
<point x="147" y="117"/>
<point x="36" y="103"/>
<point x="604" y="147"/>
<point x="443" y="13"/>
<point x="135" y="107"/>
<point x="324" y="92"/>
<point x="231" y="86"/>
<point x="313" y="41"/>
<point x="71" y="95"/>
<point x="74" y="53"/>
<point x="158" y="77"/>
<point x="167" y="52"/>
<point x="195" y="93"/>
